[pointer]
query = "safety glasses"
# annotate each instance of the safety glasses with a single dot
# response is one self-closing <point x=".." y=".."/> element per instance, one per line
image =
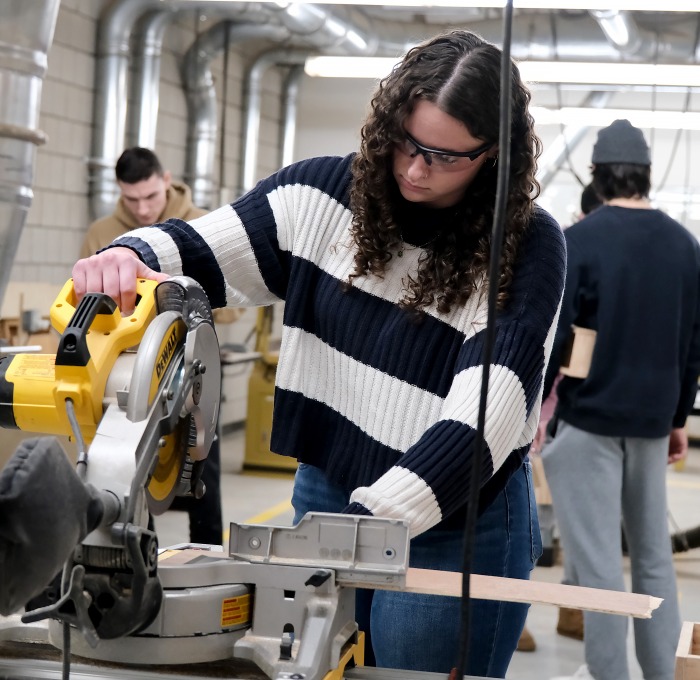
<point x="441" y="159"/>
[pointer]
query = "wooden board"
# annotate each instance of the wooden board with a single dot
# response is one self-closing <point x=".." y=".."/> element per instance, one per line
<point x="449" y="583"/>
<point x="688" y="652"/>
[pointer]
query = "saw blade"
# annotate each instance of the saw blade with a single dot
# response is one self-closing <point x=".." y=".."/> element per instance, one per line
<point x="158" y="370"/>
<point x="173" y="471"/>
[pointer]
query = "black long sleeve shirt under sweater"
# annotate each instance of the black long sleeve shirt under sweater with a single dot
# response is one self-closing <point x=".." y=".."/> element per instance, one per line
<point x="633" y="275"/>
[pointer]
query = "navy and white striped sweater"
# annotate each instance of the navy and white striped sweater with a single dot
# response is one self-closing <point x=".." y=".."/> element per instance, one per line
<point x="386" y="406"/>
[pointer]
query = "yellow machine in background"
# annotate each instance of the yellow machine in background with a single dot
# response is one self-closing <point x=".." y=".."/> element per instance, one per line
<point x="261" y="392"/>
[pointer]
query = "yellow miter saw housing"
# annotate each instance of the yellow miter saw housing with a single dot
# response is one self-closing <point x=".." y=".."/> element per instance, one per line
<point x="129" y="362"/>
<point x="37" y="386"/>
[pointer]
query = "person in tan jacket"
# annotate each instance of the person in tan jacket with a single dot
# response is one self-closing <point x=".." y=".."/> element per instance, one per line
<point x="150" y="195"/>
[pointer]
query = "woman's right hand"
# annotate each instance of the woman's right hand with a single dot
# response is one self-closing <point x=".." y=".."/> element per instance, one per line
<point x="114" y="272"/>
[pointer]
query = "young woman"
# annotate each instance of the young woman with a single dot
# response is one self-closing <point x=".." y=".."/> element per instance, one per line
<point x="381" y="258"/>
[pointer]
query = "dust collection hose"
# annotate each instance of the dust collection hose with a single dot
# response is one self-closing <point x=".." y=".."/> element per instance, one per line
<point x="37" y="537"/>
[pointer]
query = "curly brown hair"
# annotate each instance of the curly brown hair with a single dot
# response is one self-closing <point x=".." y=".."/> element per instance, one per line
<point x="460" y="73"/>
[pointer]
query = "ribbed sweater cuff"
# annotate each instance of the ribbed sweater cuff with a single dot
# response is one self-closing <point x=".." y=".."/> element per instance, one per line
<point x="356" y="509"/>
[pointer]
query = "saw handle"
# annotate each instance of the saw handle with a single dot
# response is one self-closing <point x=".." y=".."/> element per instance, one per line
<point x="64" y="308"/>
<point x="72" y="348"/>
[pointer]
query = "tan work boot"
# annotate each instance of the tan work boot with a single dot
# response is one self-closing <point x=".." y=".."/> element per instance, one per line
<point x="570" y="623"/>
<point x="526" y="643"/>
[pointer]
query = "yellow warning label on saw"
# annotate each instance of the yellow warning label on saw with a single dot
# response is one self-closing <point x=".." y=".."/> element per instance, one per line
<point x="235" y="611"/>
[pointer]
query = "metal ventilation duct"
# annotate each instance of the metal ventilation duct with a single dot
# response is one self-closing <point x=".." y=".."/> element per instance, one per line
<point x="599" y="36"/>
<point x="26" y="33"/>
<point x="200" y="94"/>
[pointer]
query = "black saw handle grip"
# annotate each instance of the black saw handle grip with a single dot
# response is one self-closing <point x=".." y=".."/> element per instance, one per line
<point x="72" y="348"/>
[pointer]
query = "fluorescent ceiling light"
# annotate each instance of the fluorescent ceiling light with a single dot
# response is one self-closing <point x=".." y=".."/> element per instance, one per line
<point x="600" y="73"/>
<point x="663" y="120"/>
<point x="605" y="73"/>
<point x="349" y="67"/>
<point x="669" y="6"/>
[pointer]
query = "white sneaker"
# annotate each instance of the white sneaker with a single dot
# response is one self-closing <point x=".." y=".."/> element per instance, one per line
<point x="581" y="674"/>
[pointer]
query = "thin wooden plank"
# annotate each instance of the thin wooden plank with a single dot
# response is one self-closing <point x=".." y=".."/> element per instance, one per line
<point x="536" y="592"/>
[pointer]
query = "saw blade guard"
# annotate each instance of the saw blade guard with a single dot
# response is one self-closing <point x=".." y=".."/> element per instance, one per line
<point x="186" y="297"/>
<point x="177" y="377"/>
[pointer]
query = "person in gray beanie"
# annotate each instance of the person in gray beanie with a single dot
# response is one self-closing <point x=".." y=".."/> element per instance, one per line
<point x="621" y="143"/>
<point x="633" y="277"/>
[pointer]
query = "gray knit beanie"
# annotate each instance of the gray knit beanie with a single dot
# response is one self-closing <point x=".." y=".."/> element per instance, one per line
<point x="621" y="142"/>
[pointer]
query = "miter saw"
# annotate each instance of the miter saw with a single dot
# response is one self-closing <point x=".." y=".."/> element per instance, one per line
<point x="140" y="395"/>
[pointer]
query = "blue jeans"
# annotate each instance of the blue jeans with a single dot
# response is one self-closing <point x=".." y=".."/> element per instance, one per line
<point x="421" y="632"/>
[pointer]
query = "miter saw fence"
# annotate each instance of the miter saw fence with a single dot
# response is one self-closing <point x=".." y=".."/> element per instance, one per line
<point x="143" y="393"/>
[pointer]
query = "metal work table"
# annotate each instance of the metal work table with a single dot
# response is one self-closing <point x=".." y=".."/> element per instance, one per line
<point x="35" y="661"/>
<point x="30" y="657"/>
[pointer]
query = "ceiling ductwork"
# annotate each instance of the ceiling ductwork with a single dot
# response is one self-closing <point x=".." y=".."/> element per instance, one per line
<point x="145" y="95"/>
<point x="325" y="29"/>
<point x="302" y="24"/>
<point x="115" y="28"/>
<point x="253" y="110"/>
<point x="26" y="34"/>
<point x="200" y="94"/>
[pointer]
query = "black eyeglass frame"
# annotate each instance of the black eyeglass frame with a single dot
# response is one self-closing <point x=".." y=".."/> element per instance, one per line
<point x="427" y="152"/>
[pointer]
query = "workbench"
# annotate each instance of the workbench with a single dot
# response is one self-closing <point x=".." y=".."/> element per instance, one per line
<point x="35" y="660"/>
<point x="25" y="654"/>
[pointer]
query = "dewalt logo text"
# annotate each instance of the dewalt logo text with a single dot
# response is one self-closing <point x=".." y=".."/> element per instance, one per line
<point x="167" y="353"/>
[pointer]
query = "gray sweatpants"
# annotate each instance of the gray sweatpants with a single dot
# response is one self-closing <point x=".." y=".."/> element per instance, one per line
<point x="597" y="482"/>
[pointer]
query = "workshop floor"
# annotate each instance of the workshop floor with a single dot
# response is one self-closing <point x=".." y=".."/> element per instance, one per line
<point x="263" y="497"/>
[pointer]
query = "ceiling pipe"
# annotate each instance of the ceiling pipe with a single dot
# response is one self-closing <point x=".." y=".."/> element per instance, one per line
<point x="26" y="34"/>
<point x="571" y="136"/>
<point x="112" y="58"/>
<point x="289" y="117"/>
<point x="253" y="111"/>
<point x="304" y="25"/>
<point x="149" y="35"/>
<point x="344" y="28"/>
<point x="145" y="86"/>
<point x="109" y="110"/>
<point x="622" y="32"/>
<point x="111" y="75"/>
<point x="200" y="95"/>
<point x="583" y="38"/>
